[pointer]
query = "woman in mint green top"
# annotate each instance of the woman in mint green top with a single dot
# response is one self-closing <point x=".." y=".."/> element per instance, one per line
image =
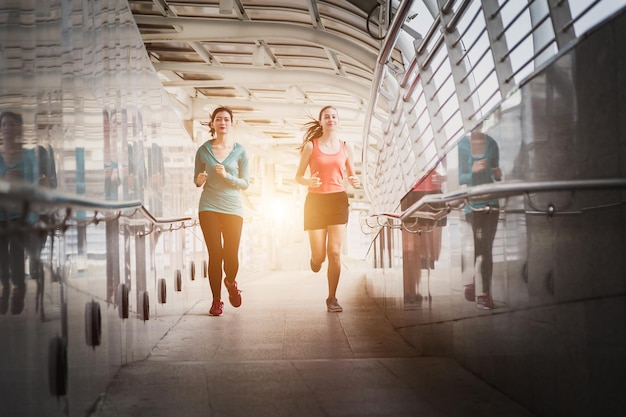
<point x="479" y="163"/>
<point x="221" y="168"/>
<point x="19" y="165"/>
<point x="222" y="193"/>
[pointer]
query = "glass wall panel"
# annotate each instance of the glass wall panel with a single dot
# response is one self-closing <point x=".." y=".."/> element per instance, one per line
<point x="84" y="116"/>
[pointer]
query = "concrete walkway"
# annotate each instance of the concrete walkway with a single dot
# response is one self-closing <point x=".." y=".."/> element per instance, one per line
<point x="282" y="354"/>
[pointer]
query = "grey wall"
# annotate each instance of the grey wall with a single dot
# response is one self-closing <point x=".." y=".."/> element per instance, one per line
<point x="78" y="73"/>
<point x="556" y="340"/>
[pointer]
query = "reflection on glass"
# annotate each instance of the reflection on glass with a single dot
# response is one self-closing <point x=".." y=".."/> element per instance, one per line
<point x="37" y="239"/>
<point x="88" y="118"/>
<point x="421" y="242"/>
<point x="16" y="165"/>
<point x="479" y="163"/>
<point x="30" y="166"/>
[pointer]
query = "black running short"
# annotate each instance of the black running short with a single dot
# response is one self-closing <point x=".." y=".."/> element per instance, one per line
<point x="322" y="210"/>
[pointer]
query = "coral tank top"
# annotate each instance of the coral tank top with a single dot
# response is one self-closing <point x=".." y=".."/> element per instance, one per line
<point x="330" y="168"/>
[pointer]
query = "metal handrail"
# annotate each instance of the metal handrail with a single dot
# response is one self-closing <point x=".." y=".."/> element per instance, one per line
<point x="495" y="191"/>
<point x="34" y="194"/>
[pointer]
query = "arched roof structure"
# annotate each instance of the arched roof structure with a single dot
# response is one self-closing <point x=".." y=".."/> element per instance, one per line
<point x="408" y="77"/>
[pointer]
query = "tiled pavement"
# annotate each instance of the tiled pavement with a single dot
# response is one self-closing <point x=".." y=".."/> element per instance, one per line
<point x="282" y="354"/>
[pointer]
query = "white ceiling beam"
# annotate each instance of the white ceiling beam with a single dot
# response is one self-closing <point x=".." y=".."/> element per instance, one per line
<point x="196" y="29"/>
<point x="286" y="110"/>
<point x="232" y="76"/>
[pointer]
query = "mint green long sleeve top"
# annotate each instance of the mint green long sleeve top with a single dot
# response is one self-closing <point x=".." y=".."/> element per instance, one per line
<point x="222" y="194"/>
<point x="26" y="168"/>
<point x="469" y="178"/>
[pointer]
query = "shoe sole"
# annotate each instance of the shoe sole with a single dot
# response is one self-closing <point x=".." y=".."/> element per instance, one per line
<point x="237" y="297"/>
<point x="315" y="267"/>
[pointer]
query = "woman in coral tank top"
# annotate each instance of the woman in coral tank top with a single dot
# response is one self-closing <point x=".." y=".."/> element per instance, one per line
<point x="326" y="205"/>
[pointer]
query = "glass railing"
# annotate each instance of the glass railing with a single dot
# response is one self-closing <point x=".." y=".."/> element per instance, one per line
<point x="435" y="207"/>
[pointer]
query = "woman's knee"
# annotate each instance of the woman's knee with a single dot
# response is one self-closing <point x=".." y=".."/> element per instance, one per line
<point x="334" y="254"/>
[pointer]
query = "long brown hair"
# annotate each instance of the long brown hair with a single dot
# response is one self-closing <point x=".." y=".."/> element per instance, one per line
<point x="314" y="127"/>
<point x="215" y="112"/>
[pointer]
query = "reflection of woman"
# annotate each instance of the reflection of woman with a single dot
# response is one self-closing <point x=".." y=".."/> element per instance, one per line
<point x="422" y="249"/>
<point x="479" y="163"/>
<point x="16" y="164"/>
<point x="326" y="205"/>
<point x="47" y="178"/>
<point x="221" y="168"/>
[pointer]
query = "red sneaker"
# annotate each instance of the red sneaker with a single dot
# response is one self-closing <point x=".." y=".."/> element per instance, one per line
<point x="234" y="295"/>
<point x="216" y="308"/>
<point x="485" y="302"/>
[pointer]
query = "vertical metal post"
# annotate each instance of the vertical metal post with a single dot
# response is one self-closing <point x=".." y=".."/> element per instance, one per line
<point x="140" y="265"/>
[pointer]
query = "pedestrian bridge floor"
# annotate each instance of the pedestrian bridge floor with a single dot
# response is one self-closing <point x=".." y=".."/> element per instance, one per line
<point x="282" y="354"/>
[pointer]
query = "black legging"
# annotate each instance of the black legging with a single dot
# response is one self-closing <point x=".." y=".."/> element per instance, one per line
<point x="484" y="226"/>
<point x="11" y="259"/>
<point x="222" y="234"/>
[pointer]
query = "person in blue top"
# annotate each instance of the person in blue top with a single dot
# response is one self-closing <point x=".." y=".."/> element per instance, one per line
<point x="221" y="168"/>
<point x="17" y="164"/>
<point x="479" y="163"/>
